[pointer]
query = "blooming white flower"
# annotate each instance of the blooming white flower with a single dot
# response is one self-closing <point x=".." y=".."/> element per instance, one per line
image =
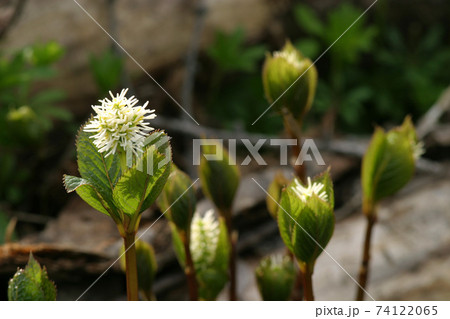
<point x="120" y="123"/>
<point x="313" y="188"/>
<point x="204" y="237"/>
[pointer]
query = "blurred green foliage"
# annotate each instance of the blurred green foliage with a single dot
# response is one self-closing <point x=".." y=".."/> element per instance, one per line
<point x="371" y="74"/>
<point x="236" y="95"/>
<point x="378" y="71"/>
<point x="27" y="113"/>
<point x="106" y="70"/>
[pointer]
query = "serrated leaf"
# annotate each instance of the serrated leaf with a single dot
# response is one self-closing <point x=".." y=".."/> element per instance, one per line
<point x="100" y="171"/>
<point x="178" y="199"/>
<point x="31" y="284"/>
<point x="140" y="186"/>
<point x="317" y="226"/>
<point x="305" y="228"/>
<point x="219" y="178"/>
<point x="87" y="192"/>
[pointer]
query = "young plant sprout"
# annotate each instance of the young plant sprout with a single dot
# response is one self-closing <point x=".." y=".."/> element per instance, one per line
<point x="306" y="223"/>
<point x="220" y="181"/>
<point x="210" y="252"/>
<point x="178" y="201"/>
<point x="290" y="82"/>
<point x="388" y="165"/>
<point x="108" y="183"/>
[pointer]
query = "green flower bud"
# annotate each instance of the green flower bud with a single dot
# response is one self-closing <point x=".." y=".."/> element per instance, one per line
<point x="306" y="219"/>
<point x="389" y="162"/>
<point x="279" y="182"/>
<point x="31" y="284"/>
<point x="219" y="178"/>
<point x="210" y="252"/>
<point x="146" y="267"/>
<point x="178" y="199"/>
<point x="275" y="276"/>
<point x="292" y="78"/>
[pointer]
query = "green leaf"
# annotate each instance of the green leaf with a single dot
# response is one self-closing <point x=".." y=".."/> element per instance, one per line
<point x="87" y="192"/>
<point x="230" y="54"/>
<point x="223" y="248"/>
<point x="389" y="162"/>
<point x="306" y="227"/>
<point x="101" y="172"/>
<point x="219" y="178"/>
<point x="178" y="245"/>
<point x="178" y="199"/>
<point x="31" y="284"/>
<point x="140" y="186"/>
<point x="317" y="221"/>
<point x="106" y="70"/>
<point x="308" y="20"/>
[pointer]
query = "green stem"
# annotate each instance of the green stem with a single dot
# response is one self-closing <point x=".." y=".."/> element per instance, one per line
<point x="370" y="212"/>
<point x="293" y="128"/>
<point x="131" y="267"/>
<point x="232" y="239"/>
<point x="189" y="268"/>
<point x="123" y="160"/>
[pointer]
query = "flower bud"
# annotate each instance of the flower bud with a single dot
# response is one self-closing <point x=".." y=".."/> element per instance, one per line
<point x="291" y="78"/>
<point x="178" y="200"/>
<point x="210" y="253"/>
<point x="31" y="284"/>
<point x="275" y="276"/>
<point x="306" y="218"/>
<point x="219" y="177"/>
<point x="389" y="162"/>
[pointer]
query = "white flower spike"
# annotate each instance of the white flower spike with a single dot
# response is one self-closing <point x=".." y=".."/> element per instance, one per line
<point x="119" y="123"/>
<point x="313" y="188"/>
<point x="204" y="237"/>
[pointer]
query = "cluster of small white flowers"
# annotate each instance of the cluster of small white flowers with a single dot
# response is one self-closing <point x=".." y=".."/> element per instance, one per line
<point x="290" y="57"/>
<point x="204" y="237"/>
<point x="313" y="188"/>
<point x="120" y="123"/>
